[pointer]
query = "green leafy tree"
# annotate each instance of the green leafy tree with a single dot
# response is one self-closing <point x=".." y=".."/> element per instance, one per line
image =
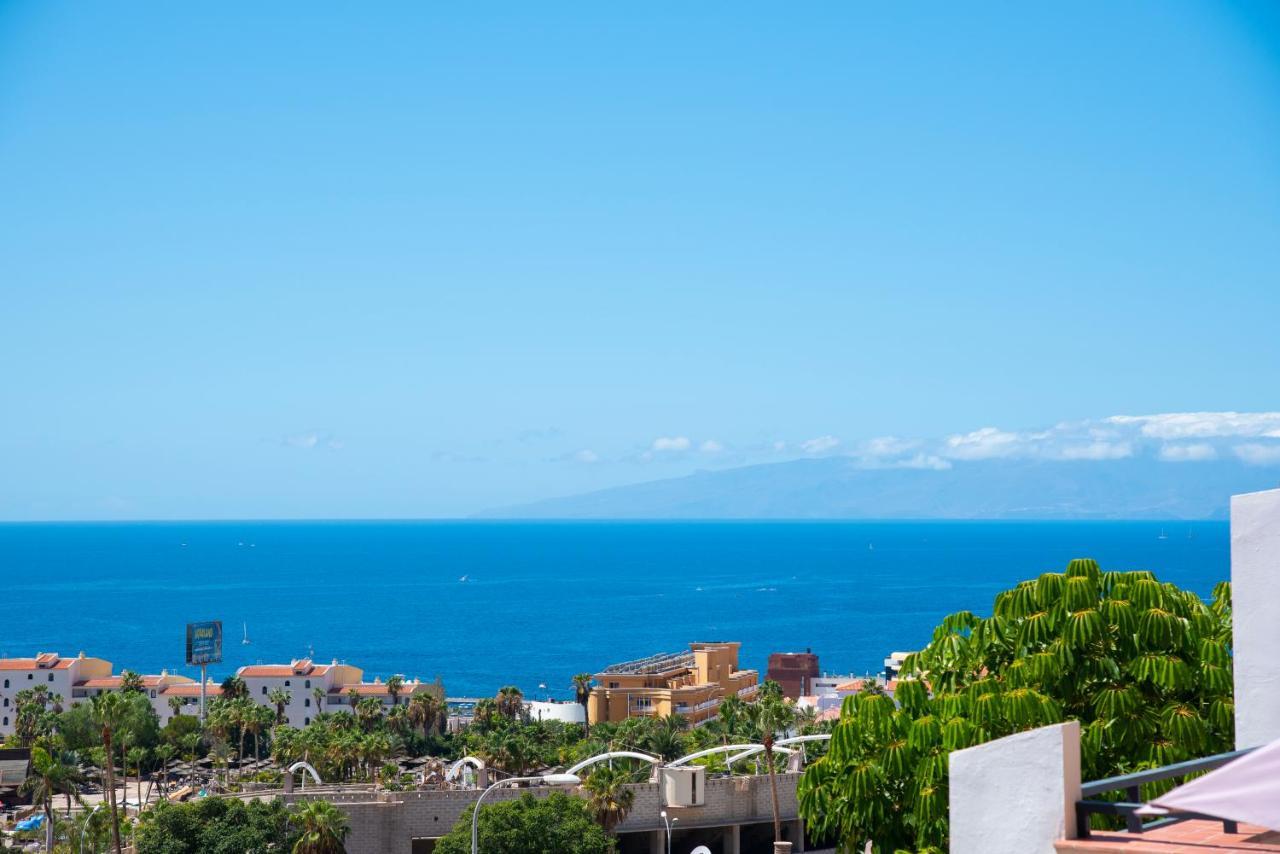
<point x="215" y="826"/>
<point x="556" y="824"/>
<point x="510" y="701"/>
<point x="324" y="828"/>
<point x="131" y="681"/>
<point x="1144" y="667"/>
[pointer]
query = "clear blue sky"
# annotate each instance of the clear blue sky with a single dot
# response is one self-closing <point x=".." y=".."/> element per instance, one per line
<point x="337" y="260"/>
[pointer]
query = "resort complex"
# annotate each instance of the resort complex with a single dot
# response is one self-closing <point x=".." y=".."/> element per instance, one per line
<point x="691" y="684"/>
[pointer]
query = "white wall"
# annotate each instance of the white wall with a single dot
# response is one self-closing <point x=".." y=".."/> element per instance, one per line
<point x="570" y="713"/>
<point x="1017" y="794"/>
<point x="1255" y="598"/>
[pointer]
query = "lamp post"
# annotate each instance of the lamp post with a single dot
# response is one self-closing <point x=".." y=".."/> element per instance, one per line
<point x="668" y="822"/>
<point x="549" y="779"/>
<point x="85" y="826"/>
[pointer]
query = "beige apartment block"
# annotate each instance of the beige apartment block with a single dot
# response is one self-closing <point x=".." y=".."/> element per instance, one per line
<point x="692" y="684"/>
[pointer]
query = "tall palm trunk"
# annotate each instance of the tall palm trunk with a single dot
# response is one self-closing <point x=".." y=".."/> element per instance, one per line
<point x="48" y="820"/>
<point x="773" y="786"/>
<point x="111" y="789"/>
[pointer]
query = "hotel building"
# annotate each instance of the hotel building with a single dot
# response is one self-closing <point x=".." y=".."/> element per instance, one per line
<point x="73" y="680"/>
<point x="691" y="684"/>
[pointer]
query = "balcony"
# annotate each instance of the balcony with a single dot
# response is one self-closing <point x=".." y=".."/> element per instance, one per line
<point x="1182" y="838"/>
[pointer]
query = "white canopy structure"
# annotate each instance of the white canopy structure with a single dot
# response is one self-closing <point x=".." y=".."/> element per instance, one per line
<point x="1245" y="790"/>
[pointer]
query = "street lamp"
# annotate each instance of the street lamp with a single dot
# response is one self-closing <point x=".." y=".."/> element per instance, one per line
<point x="549" y="779"/>
<point x="85" y="826"/>
<point x="668" y="823"/>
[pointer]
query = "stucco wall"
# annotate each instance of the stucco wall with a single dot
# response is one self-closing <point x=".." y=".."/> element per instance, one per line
<point x="1015" y="795"/>
<point x="1255" y="594"/>
<point x="390" y="821"/>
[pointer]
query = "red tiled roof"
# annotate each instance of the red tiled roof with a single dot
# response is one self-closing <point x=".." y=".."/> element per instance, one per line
<point x="376" y="689"/>
<point x="34" y="664"/>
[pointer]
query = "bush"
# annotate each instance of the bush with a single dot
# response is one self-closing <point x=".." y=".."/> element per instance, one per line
<point x="556" y="824"/>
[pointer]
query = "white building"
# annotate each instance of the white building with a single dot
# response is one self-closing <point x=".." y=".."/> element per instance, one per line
<point x="314" y="688"/>
<point x="58" y="675"/>
<point x="551" y="710"/>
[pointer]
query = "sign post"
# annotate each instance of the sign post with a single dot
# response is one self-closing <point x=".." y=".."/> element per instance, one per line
<point x="204" y="647"/>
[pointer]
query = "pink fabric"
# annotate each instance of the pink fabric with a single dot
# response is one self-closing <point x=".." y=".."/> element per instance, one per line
<point x="1246" y="790"/>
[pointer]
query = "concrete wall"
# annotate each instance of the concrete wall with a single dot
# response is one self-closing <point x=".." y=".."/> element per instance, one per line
<point x="1016" y="795"/>
<point x="389" y="821"/>
<point x="1255" y="595"/>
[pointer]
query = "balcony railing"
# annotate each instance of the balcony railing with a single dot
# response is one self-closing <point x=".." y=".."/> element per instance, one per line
<point x="748" y="691"/>
<point x="1131" y="783"/>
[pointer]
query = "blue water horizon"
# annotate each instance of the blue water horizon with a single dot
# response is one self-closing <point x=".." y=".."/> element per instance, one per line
<point x="483" y="604"/>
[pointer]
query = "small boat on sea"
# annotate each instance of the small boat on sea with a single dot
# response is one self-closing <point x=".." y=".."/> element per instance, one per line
<point x="246" y="640"/>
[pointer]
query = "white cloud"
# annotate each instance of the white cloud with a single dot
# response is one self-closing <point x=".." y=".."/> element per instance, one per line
<point x="820" y="445"/>
<point x="1188" y="453"/>
<point x="1258" y="454"/>
<point x="982" y="444"/>
<point x="711" y="446"/>
<point x="586" y="455"/>
<point x="1099" y="450"/>
<point x="779" y="446"/>
<point x="923" y="461"/>
<point x="887" y="446"/>
<point x="1203" y="425"/>
<point x="671" y="443"/>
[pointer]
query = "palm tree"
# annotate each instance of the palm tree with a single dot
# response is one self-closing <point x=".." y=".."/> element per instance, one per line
<point x="279" y="698"/>
<point x="109" y="713"/>
<point x="582" y="693"/>
<point x="135" y="757"/>
<point x="773" y="715"/>
<point x="130" y="681"/>
<point x="608" y="796"/>
<point x="164" y="753"/>
<point x="324" y="829"/>
<point x="233" y="688"/>
<point x="394" y="685"/>
<point x="510" y="702"/>
<point x="318" y="694"/>
<point x="176" y="704"/>
<point x="49" y="777"/>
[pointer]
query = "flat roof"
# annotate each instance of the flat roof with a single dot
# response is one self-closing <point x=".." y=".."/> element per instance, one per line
<point x="660" y="663"/>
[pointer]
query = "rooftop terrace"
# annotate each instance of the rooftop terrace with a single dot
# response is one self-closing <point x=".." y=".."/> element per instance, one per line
<point x="1188" y="837"/>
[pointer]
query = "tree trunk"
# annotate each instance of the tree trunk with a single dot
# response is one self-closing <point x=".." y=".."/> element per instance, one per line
<point x="48" y="822"/>
<point x="111" y="790"/>
<point x="773" y="787"/>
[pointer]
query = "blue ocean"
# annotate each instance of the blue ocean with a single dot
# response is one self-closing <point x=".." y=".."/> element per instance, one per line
<point x="487" y="604"/>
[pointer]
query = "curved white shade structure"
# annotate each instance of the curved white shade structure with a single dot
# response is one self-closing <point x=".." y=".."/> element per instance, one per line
<point x="742" y="751"/>
<point x="617" y="754"/>
<point x="452" y="773"/>
<point x="801" y="739"/>
<point x="305" y="766"/>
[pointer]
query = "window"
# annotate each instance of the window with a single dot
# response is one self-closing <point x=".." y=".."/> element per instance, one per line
<point x="30" y="677"/>
<point x="50" y="677"/>
<point x="153" y="695"/>
<point x="307" y="702"/>
<point x="286" y="683"/>
<point x="308" y="683"/>
<point x="264" y="690"/>
<point x="6" y="721"/>
<point x="6" y="702"/>
<point x="613" y="684"/>
<point x="6" y="683"/>
<point x="306" y="721"/>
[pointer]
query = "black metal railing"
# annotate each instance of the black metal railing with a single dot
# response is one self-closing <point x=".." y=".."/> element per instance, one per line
<point x="1130" y="783"/>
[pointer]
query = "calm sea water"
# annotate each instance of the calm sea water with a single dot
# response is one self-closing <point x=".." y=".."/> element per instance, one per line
<point x="540" y="601"/>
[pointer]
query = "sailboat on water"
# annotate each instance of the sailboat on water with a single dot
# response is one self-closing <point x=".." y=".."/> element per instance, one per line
<point x="246" y="640"/>
<point x="1163" y="535"/>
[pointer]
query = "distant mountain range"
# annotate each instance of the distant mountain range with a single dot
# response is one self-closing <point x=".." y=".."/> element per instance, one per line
<point x="841" y="488"/>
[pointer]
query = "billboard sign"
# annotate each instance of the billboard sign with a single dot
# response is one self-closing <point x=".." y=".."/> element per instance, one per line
<point x="204" y="642"/>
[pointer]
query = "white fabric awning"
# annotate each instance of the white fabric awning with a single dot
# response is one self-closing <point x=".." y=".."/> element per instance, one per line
<point x="1245" y="790"/>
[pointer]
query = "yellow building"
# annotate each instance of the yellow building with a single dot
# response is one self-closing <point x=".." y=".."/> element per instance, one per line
<point x="691" y="684"/>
